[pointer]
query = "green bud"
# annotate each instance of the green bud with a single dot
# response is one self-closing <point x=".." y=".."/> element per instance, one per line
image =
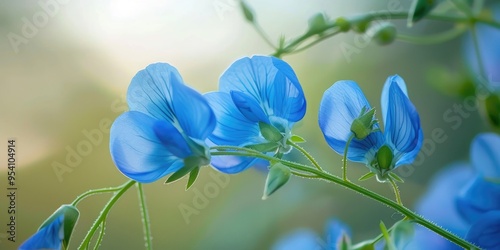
<point x="362" y="126"/>
<point x="247" y="11"/>
<point x="360" y="24"/>
<point x="71" y="215"/>
<point x="384" y="158"/>
<point x="385" y="33"/>
<point x="278" y="175"/>
<point x="343" y="24"/>
<point x="269" y="132"/>
<point x="317" y="24"/>
<point x="418" y="10"/>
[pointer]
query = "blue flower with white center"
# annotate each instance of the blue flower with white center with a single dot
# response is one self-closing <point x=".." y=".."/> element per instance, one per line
<point x="48" y="237"/>
<point x="165" y="129"/>
<point x="344" y="102"/>
<point x="337" y="233"/>
<point x="256" y="94"/>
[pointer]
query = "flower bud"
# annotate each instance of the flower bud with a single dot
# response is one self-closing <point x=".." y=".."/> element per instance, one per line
<point x="343" y="24"/>
<point x="384" y="158"/>
<point x="384" y="34"/>
<point x="247" y="11"/>
<point x="418" y="10"/>
<point x="317" y="24"/>
<point x="362" y="126"/>
<point x="278" y="175"/>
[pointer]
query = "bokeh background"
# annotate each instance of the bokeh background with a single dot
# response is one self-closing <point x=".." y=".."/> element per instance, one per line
<point x="72" y="72"/>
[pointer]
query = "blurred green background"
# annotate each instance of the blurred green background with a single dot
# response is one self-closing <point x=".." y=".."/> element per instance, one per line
<point x="71" y="73"/>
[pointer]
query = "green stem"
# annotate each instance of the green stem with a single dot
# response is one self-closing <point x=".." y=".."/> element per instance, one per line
<point x="344" y="159"/>
<point x="145" y="217"/>
<point x="359" y="189"/>
<point x="396" y="191"/>
<point x="305" y="153"/>
<point x="101" y="234"/>
<point x="120" y="191"/>
<point x="304" y="175"/>
<point x="434" y="39"/>
<point x="94" y="192"/>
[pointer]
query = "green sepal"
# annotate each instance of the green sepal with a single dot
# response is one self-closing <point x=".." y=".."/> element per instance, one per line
<point x="385" y="157"/>
<point x="297" y="139"/>
<point x="389" y="245"/>
<point x="247" y="11"/>
<point x="419" y="9"/>
<point x="365" y="245"/>
<point x="317" y="24"/>
<point x="363" y="125"/>
<point x="366" y="176"/>
<point x="71" y="215"/>
<point x="264" y="147"/>
<point x="278" y="176"/>
<point x="193" y="175"/>
<point x="190" y="163"/>
<point x="345" y="243"/>
<point x="396" y="177"/>
<point x="269" y="132"/>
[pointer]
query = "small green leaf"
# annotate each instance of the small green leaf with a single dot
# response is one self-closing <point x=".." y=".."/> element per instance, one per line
<point x="247" y="11"/>
<point x="396" y="177"/>
<point x="269" y="132"/>
<point x="192" y="177"/>
<point x="388" y="241"/>
<point x="183" y="171"/>
<point x="366" y="176"/>
<point x="419" y="9"/>
<point x="264" y="147"/>
<point x="297" y="139"/>
<point x="278" y="176"/>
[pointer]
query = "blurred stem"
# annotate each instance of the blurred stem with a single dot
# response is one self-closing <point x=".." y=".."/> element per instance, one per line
<point x="305" y="153"/>
<point x="145" y="217"/>
<point x="434" y="39"/>
<point x="120" y="191"/>
<point x="263" y="34"/>
<point x="344" y="159"/>
<point x="349" y="185"/>
<point x="463" y="7"/>
<point x="396" y="191"/>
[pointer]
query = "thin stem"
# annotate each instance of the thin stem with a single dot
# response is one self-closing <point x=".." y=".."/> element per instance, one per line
<point x="361" y="190"/>
<point x="263" y="35"/>
<point x="121" y="190"/>
<point x="396" y="191"/>
<point x="434" y="39"/>
<point x="463" y="7"/>
<point x="305" y="153"/>
<point x="101" y="234"/>
<point x="344" y="159"/>
<point x="304" y="175"/>
<point x="93" y="192"/>
<point x="145" y="217"/>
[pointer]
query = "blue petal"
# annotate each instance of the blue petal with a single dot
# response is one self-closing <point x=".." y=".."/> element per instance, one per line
<point x="48" y="237"/>
<point x="171" y="139"/>
<point x="478" y="197"/>
<point x="335" y="231"/>
<point x="235" y="164"/>
<point x="302" y="239"/>
<point x="485" y="231"/>
<point x="137" y="151"/>
<point x="401" y="119"/>
<point x="248" y="107"/>
<point x="485" y="155"/>
<point x="159" y="92"/>
<point x="271" y="82"/>
<point x="340" y="105"/>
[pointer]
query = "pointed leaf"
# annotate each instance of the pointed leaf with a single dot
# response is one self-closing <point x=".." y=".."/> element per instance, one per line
<point x="269" y="132"/>
<point x="396" y="177"/>
<point x="183" y="171"/>
<point x="297" y="139"/>
<point x="388" y="241"/>
<point x="193" y="175"/>
<point x="278" y="176"/>
<point x="366" y="176"/>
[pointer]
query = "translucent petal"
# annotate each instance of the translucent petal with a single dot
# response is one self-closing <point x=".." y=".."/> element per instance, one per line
<point x="340" y="105"/>
<point x="485" y="231"/>
<point x="48" y="237"/>
<point x="235" y="164"/>
<point x="159" y="92"/>
<point x="271" y="82"/>
<point x="301" y="239"/>
<point x="171" y="139"/>
<point x="485" y="155"/>
<point x="137" y="151"/>
<point x="401" y="119"/>
<point x="248" y="107"/>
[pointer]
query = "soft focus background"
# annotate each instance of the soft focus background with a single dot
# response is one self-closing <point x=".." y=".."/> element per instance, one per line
<point x="69" y="74"/>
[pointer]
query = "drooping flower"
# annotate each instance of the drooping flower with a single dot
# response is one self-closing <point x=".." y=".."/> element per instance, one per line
<point x="465" y="200"/>
<point x="55" y="232"/>
<point x="344" y="102"/>
<point x="336" y="232"/>
<point x="257" y="96"/>
<point x="165" y="128"/>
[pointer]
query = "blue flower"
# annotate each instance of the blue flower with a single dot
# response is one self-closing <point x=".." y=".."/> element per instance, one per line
<point x="165" y="129"/>
<point x="305" y="239"/>
<point x="47" y="237"/>
<point x="465" y="200"/>
<point x="254" y="91"/>
<point x="487" y="37"/>
<point x="344" y="102"/>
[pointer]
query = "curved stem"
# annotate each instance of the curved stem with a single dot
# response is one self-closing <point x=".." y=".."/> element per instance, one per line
<point x="344" y="159"/>
<point x="101" y="234"/>
<point x="305" y="153"/>
<point x="93" y="192"/>
<point x="145" y="217"/>
<point x="396" y="191"/>
<point x="361" y="190"/>
<point x="433" y="39"/>
<point x="121" y="190"/>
